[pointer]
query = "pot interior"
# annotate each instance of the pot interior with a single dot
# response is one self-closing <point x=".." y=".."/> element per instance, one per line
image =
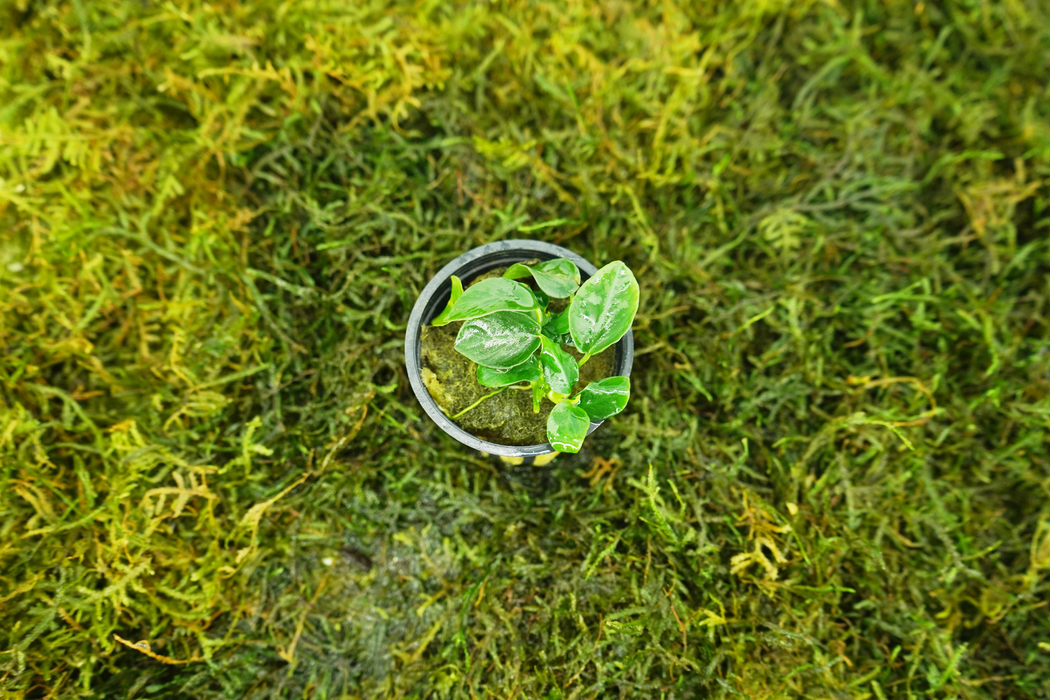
<point x="435" y="297"/>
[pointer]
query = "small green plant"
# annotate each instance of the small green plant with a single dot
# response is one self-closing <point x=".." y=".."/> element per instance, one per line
<point x="517" y="343"/>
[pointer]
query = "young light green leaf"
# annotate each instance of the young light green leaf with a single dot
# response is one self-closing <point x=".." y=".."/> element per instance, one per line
<point x="457" y="292"/>
<point x="603" y="308"/>
<point x="517" y="271"/>
<point x="558" y="325"/>
<point x="539" y="390"/>
<point x="557" y="328"/>
<point x="528" y="371"/>
<point x="559" y="367"/>
<point x="605" y="398"/>
<point x="567" y="427"/>
<point x="501" y="340"/>
<point x="491" y="296"/>
<point x="559" y="278"/>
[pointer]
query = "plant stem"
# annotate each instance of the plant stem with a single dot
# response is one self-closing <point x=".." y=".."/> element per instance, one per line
<point x="476" y="403"/>
<point x="487" y="396"/>
<point x="583" y="360"/>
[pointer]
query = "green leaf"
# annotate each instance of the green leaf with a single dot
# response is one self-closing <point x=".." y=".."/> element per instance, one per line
<point x="527" y="371"/>
<point x="501" y="340"/>
<point x="559" y="323"/>
<point x="517" y="271"/>
<point x="567" y="427"/>
<point x="603" y="308"/>
<point x="491" y="296"/>
<point x="457" y="292"/>
<point x="557" y="328"/>
<point x="606" y="397"/>
<point x="559" y="367"/>
<point x="541" y="298"/>
<point x="559" y="278"/>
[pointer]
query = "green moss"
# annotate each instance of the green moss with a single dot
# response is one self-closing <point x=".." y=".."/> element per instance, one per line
<point x="832" y="478"/>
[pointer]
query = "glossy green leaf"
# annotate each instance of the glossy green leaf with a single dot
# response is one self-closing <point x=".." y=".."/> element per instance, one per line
<point x="559" y="323"/>
<point x="559" y="278"/>
<point x="541" y="298"/>
<point x="528" y="371"/>
<point x="501" y="340"/>
<point x="517" y="271"/>
<point x="557" y="328"/>
<point x="491" y="296"/>
<point x="606" y="397"/>
<point x="457" y="292"/>
<point x="559" y="367"/>
<point x="567" y="427"/>
<point x="603" y="308"/>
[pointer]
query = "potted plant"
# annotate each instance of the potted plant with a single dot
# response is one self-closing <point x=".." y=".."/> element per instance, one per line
<point x="522" y="348"/>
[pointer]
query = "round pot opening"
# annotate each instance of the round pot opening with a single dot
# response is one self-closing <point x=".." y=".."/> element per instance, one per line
<point x="435" y="296"/>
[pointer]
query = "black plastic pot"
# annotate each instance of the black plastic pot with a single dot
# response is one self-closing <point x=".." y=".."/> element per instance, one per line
<point x="435" y="297"/>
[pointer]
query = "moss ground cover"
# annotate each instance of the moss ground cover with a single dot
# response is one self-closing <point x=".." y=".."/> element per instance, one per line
<point x="832" y="479"/>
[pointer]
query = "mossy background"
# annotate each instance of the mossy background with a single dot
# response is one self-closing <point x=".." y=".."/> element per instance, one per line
<point x="832" y="480"/>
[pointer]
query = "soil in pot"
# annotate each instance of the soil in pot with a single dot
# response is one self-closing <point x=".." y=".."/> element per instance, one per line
<point x="507" y="418"/>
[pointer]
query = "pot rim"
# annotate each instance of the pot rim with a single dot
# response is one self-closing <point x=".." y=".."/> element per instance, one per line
<point x="625" y="346"/>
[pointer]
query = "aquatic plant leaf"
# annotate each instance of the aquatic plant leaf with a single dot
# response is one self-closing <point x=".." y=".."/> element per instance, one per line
<point x="457" y="292"/>
<point x="527" y="371"/>
<point x="541" y="298"/>
<point x="606" y="397"/>
<point x="501" y="340"/>
<point x="603" y="308"/>
<point x="559" y="367"/>
<point x="567" y="427"/>
<point x="491" y="296"/>
<point x="559" y="278"/>
<point x="557" y="328"/>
